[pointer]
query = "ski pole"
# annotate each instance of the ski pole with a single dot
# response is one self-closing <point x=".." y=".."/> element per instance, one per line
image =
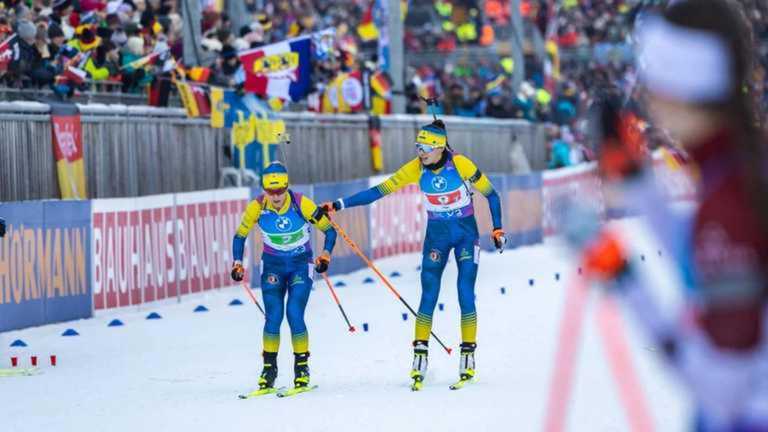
<point x="615" y="342"/>
<point x="569" y="339"/>
<point x="386" y="282"/>
<point x="619" y="359"/>
<point x="253" y="297"/>
<point x="338" y="303"/>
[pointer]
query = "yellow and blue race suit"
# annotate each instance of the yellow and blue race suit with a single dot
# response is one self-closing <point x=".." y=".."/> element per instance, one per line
<point x="451" y="225"/>
<point x="286" y="262"/>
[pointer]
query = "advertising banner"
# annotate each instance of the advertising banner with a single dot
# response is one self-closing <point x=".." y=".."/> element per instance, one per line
<point x="163" y="246"/>
<point x="44" y="263"/>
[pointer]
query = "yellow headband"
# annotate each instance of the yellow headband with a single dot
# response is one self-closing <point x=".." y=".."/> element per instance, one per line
<point x="274" y="181"/>
<point x="431" y="138"/>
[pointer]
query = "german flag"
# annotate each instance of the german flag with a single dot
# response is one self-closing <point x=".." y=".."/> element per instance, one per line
<point x="194" y="98"/>
<point x="374" y="141"/>
<point x="147" y="60"/>
<point x="381" y="85"/>
<point x="381" y="93"/>
<point x="367" y="29"/>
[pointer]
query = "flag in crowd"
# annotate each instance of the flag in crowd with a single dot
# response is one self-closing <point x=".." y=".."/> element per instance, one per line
<point x="282" y="69"/>
<point x="194" y="98"/>
<point x="6" y="52"/>
<point x="367" y="30"/>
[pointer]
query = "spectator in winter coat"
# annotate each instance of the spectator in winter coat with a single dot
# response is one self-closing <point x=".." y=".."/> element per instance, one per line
<point x="560" y="151"/>
<point x="497" y="106"/>
<point x="455" y="99"/>
<point x="57" y="39"/>
<point x="227" y="67"/>
<point x="27" y="65"/>
<point x="105" y="61"/>
<point x="133" y="78"/>
<point x="87" y="43"/>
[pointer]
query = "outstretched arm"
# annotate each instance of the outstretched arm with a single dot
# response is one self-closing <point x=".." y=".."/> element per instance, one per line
<point x="407" y="174"/>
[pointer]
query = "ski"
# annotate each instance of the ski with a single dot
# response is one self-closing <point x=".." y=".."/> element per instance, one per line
<point x="19" y="372"/>
<point x="294" y="391"/>
<point x="461" y="383"/>
<point x="260" y="392"/>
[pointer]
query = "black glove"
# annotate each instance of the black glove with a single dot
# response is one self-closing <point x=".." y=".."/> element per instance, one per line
<point x="329" y="207"/>
<point x="2" y="228"/>
<point x="322" y="262"/>
<point x="237" y="272"/>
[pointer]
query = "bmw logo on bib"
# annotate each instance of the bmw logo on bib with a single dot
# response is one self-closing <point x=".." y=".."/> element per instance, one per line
<point x="283" y="224"/>
<point x="439" y="183"/>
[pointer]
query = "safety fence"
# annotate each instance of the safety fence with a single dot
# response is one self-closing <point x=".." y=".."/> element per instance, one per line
<point x="63" y="260"/>
<point x="136" y="151"/>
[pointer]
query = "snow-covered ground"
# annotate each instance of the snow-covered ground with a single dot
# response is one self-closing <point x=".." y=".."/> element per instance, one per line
<point x="183" y="372"/>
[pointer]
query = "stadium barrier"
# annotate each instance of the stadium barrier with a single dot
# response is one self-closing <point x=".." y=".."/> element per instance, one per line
<point x="134" y="151"/>
<point x="62" y="260"/>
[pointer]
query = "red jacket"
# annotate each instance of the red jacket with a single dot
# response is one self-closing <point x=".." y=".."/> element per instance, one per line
<point x="730" y="248"/>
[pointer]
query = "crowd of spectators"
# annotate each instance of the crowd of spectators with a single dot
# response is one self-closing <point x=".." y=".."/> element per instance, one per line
<point x="587" y="47"/>
<point x="61" y="44"/>
<point x="276" y="20"/>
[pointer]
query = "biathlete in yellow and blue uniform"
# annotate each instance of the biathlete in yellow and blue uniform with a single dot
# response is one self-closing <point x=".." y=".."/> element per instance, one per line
<point x="284" y="218"/>
<point x="444" y="178"/>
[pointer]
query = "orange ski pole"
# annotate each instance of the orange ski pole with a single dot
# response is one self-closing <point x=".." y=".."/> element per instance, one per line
<point x="253" y="297"/>
<point x="386" y="282"/>
<point x="336" y="299"/>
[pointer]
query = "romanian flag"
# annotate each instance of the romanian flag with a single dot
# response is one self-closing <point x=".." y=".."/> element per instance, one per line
<point x="282" y="69"/>
<point x="67" y="136"/>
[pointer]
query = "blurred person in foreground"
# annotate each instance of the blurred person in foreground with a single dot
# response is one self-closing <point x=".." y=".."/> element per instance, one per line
<point x="694" y="64"/>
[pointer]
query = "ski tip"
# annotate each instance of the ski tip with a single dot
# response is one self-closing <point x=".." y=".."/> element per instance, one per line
<point x="352" y="329"/>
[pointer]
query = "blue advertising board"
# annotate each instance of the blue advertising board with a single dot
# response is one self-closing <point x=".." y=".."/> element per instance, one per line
<point x="45" y="263"/>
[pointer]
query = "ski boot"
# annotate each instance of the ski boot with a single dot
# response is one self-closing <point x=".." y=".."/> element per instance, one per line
<point x="269" y="373"/>
<point x="466" y="365"/>
<point x="267" y="377"/>
<point x="301" y="381"/>
<point x="419" y="369"/>
<point x="301" y="369"/>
